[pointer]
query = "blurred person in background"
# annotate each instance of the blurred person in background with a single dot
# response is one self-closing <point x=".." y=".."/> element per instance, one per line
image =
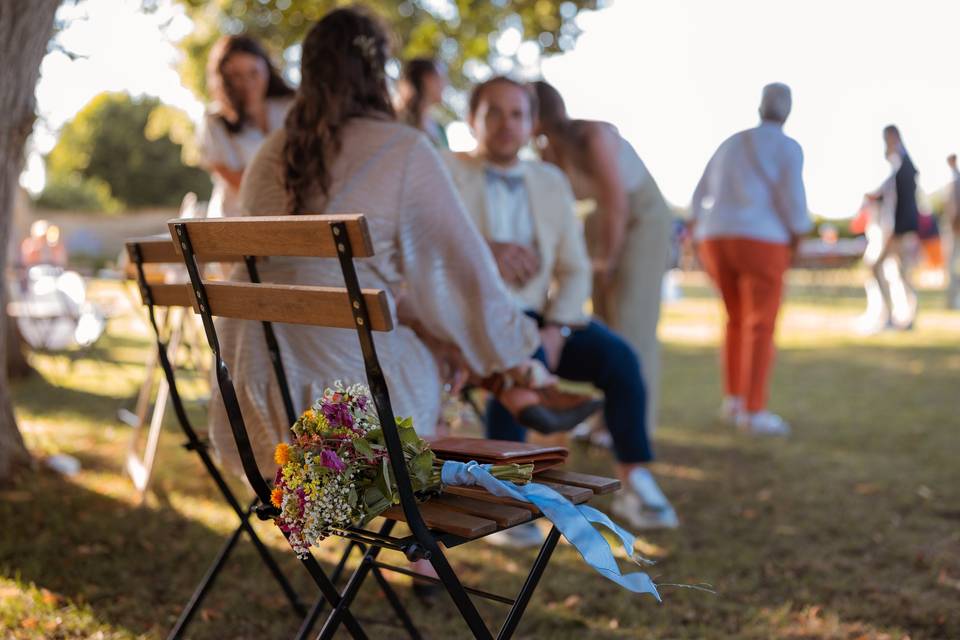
<point x="525" y="211"/>
<point x="951" y="235"/>
<point x="43" y="246"/>
<point x="876" y="216"/>
<point x="250" y="100"/>
<point x="628" y="233"/>
<point x="419" y="91"/>
<point x="749" y="212"/>
<point x="898" y="293"/>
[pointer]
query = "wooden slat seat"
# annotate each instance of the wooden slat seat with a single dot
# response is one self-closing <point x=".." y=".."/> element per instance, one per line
<point x="504" y="515"/>
<point x="597" y="484"/>
<point x="576" y="495"/>
<point x="468" y="512"/>
<point x="441" y="518"/>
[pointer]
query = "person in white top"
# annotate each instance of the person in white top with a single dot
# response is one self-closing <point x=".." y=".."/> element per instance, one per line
<point x="749" y="212"/>
<point x="250" y="101"/>
<point x="525" y="211"/>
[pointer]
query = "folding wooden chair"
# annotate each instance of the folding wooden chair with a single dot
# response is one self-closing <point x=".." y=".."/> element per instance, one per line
<point x="161" y="250"/>
<point x="460" y="515"/>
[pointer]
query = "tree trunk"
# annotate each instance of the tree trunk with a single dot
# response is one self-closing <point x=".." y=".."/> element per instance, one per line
<point x="17" y="365"/>
<point x="25" y="29"/>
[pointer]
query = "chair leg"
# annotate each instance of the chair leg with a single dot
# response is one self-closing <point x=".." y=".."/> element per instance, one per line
<point x="456" y="591"/>
<point x="332" y="596"/>
<point x="274" y="569"/>
<point x="397" y="605"/>
<point x="201" y="591"/>
<point x="342" y="608"/>
<point x="533" y="578"/>
<point x="307" y="625"/>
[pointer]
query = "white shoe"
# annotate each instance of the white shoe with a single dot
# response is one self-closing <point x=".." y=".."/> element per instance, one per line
<point x="763" y="423"/>
<point x="522" y="536"/>
<point x="642" y="504"/>
<point x="581" y="432"/>
<point x="730" y="409"/>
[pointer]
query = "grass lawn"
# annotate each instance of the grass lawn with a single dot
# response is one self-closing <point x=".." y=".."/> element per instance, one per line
<point x="850" y="529"/>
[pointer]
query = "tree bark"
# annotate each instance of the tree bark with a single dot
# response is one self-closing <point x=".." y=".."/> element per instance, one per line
<point x="25" y="30"/>
<point x="17" y="365"/>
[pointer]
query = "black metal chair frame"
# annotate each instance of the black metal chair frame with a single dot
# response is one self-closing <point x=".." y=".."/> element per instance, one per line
<point x="201" y="448"/>
<point x="422" y="542"/>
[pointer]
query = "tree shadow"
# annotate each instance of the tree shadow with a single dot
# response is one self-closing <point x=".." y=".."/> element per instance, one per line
<point x="136" y="567"/>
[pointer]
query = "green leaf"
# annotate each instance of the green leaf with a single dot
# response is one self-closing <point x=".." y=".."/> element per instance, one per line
<point x="362" y="447"/>
<point x="421" y="468"/>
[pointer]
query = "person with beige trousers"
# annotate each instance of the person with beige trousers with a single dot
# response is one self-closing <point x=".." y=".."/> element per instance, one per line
<point x="628" y="233"/>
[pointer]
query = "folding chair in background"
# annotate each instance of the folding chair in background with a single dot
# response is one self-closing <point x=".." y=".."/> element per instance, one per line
<point x="160" y="250"/>
<point x="459" y="516"/>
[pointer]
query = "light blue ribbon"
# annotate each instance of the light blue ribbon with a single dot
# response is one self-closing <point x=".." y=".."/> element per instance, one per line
<point x="575" y="522"/>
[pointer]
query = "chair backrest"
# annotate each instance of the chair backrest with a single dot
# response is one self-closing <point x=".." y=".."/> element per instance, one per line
<point x="344" y="237"/>
<point x="156" y="250"/>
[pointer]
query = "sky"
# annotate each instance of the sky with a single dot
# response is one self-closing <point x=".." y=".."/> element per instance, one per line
<point x="676" y="76"/>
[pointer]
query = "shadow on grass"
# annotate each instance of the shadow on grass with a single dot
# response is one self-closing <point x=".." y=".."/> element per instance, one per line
<point x="136" y="567"/>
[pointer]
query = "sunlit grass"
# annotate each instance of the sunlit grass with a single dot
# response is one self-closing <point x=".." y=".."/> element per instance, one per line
<point x="851" y="529"/>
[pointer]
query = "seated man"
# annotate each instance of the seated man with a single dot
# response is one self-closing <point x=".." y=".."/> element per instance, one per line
<point x="525" y="211"/>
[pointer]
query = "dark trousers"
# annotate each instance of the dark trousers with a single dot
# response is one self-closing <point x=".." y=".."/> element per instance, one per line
<point x="597" y="355"/>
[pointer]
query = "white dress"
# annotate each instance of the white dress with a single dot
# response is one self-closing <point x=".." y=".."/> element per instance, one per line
<point x="426" y="245"/>
<point x="218" y="146"/>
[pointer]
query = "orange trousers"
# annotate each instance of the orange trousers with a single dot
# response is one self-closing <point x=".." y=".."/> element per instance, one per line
<point x="749" y="274"/>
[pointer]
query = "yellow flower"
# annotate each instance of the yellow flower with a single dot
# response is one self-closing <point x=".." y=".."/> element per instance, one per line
<point x="281" y="455"/>
<point x="276" y="497"/>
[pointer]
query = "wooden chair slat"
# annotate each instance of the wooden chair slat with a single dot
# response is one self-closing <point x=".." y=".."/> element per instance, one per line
<point x="172" y="295"/>
<point x="481" y="494"/>
<point x="503" y="515"/>
<point x="576" y="495"/>
<point x="441" y="518"/>
<point x="161" y="249"/>
<point x="296" y="304"/>
<point x="597" y="484"/>
<point x="154" y="249"/>
<point x="304" y="236"/>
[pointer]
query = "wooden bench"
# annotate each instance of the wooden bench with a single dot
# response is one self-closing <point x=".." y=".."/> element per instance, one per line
<point x="458" y="516"/>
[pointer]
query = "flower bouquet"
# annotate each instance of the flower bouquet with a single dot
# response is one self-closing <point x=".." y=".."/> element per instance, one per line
<point x="336" y="473"/>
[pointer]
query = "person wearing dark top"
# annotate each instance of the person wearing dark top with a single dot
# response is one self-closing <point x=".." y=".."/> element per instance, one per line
<point x="898" y="293"/>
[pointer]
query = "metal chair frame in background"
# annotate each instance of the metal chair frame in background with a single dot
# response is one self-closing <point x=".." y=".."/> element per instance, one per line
<point x="160" y="251"/>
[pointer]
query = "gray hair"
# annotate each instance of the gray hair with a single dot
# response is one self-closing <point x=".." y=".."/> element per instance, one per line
<point x="776" y="102"/>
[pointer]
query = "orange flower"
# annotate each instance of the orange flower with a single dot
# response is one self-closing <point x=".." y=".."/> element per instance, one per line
<point x="281" y="455"/>
<point x="276" y="497"/>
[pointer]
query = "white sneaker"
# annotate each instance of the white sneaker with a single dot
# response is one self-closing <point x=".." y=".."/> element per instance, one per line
<point x="763" y="423"/>
<point x="581" y="432"/>
<point x="730" y="409"/>
<point x="642" y="504"/>
<point x="522" y="536"/>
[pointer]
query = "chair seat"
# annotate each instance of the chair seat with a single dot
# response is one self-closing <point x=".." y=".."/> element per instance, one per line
<point x="472" y="512"/>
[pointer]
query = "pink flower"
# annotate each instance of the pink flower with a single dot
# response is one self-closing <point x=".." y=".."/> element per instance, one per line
<point x="337" y="415"/>
<point x="331" y="460"/>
